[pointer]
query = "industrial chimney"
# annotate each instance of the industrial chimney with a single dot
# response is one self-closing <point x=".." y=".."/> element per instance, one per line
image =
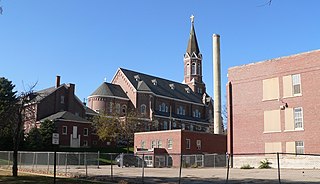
<point x="217" y="84"/>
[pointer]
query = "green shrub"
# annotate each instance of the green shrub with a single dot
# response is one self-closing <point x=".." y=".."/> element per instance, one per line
<point x="265" y="164"/>
<point x="246" y="166"/>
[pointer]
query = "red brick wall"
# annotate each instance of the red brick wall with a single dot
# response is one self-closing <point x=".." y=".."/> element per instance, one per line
<point x="248" y="107"/>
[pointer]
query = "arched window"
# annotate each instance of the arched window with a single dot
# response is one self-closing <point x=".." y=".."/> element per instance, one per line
<point x="188" y="69"/>
<point x="118" y="108"/>
<point x="193" y="69"/>
<point x="143" y="109"/>
<point x="124" y="109"/>
<point x="199" y="69"/>
<point x="165" y="125"/>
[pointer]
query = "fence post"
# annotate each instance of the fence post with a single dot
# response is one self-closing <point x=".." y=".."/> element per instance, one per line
<point x="33" y="158"/>
<point x="48" y="162"/>
<point x="66" y="162"/>
<point x="180" y="168"/>
<point x="203" y="156"/>
<point x="98" y="159"/>
<point x="8" y="159"/>
<point x="278" y="160"/>
<point x="36" y="160"/>
<point x="214" y="160"/>
<point x="142" y="168"/>
<point x="111" y="166"/>
<point x="85" y="160"/>
<point x="228" y="160"/>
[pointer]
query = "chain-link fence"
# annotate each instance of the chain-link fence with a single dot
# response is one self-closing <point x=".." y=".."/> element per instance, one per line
<point x="173" y="168"/>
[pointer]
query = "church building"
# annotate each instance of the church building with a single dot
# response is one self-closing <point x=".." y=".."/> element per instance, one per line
<point x="162" y="104"/>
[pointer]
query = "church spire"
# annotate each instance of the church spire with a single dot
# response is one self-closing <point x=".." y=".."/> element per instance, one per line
<point x="192" y="43"/>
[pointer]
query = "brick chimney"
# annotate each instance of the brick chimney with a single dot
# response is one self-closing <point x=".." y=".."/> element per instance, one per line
<point x="71" y="97"/>
<point x="57" y="81"/>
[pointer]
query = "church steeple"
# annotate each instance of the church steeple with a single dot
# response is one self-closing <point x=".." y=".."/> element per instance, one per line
<point x="193" y="63"/>
<point x="193" y="43"/>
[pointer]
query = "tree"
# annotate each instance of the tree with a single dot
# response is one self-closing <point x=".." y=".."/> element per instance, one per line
<point x="34" y="139"/>
<point x="118" y="127"/>
<point x="46" y="129"/>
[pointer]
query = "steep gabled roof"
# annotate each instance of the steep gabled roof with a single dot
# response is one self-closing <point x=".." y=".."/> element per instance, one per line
<point x="146" y="83"/>
<point x="108" y="89"/>
<point x="193" y="43"/>
<point x="66" y="116"/>
<point x="39" y="95"/>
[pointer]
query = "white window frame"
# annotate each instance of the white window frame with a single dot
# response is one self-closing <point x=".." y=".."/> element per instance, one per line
<point x="159" y="144"/>
<point x="169" y="143"/>
<point x="193" y="68"/>
<point x="198" y="144"/>
<point x="143" y="144"/>
<point x="296" y="81"/>
<point x="153" y="144"/>
<point x="85" y="143"/>
<point x="85" y="132"/>
<point x="188" y="143"/>
<point x="298" y="118"/>
<point x="64" y="132"/>
<point x="299" y="147"/>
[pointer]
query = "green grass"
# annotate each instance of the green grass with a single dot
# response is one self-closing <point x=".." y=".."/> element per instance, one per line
<point x="5" y="177"/>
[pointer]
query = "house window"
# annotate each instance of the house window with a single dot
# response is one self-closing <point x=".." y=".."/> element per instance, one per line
<point x="85" y="143"/>
<point x="299" y="147"/>
<point x="143" y="144"/>
<point x="187" y="143"/>
<point x="193" y="69"/>
<point x="296" y="84"/>
<point x="64" y="130"/>
<point x="118" y="108"/>
<point x="153" y="144"/>
<point x="165" y="125"/>
<point x="143" y="109"/>
<point x="62" y="99"/>
<point x="170" y="144"/>
<point x="298" y="118"/>
<point x="159" y="144"/>
<point x="85" y="132"/>
<point x="198" y="144"/>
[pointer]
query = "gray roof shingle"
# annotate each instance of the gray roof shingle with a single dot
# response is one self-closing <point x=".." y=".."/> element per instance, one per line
<point x="65" y="115"/>
<point x="108" y="89"/>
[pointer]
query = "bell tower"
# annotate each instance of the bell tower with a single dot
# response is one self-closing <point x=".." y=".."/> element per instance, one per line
<point x="193" y="63"/>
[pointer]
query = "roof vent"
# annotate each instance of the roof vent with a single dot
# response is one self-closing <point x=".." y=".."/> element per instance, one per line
<point x="171" y="86"/>
<point x="154" y="82"/>
<point x="137" y="77"/>
<point x="187" y="90"/>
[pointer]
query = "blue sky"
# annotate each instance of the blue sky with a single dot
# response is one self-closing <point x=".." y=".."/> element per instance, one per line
<point x="85" y="41"/>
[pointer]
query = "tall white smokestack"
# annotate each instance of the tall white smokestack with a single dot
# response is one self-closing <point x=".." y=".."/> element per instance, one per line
<point x="217" y="84"/>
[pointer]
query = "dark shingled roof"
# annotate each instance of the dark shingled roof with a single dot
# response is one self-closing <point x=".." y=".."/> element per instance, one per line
<point x="39" y="95"/>
<point x="107" y="89"/>
<point x="65" y="115"/>
<point x="193" y="43"/>
<point x="144" y="82"/>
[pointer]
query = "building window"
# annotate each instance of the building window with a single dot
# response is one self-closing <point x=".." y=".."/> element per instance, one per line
<point x="170" y="144"/>
<point x="163" y="107"/>
<point x="85" y="132"/>
<point x="196" y="113"/>
<point x="143" y="144"/>
<point x="296" y="84"/>
<point x="187" y="143"/>
<point x="199" y="68"/>
<point x="298" y="118"/>
<point x="159" y="144"/>
<point x="198" y="144"/>
<point x="110" y="107"/>
<point x="181" y="110"/>
<point x="85" y="143"/>
<point x="62" y="99"/>
<point x="174" y="124"/>
<point x="299" y="147"/>
<point x="270" y="89"/>
<point x="64" y="130"/>
<point x="143" y="109"/>
<point x="191" y="127"/>
<point x="118" y="108"/>
<point x="183" y="126"/>
<point x="165" y="125"/>
<point x="153" y="144"/>
<point x="124" y="109"/>
<point x="188" y="69"/>
<point x="193" y="69"/>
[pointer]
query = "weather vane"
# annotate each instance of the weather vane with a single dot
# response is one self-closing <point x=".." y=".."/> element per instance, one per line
<point x="192" y="19"/>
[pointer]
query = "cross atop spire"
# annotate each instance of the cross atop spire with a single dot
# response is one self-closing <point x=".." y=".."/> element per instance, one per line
<point x="192" y="19"/>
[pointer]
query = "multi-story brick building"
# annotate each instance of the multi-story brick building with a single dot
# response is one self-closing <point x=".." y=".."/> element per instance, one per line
<point x="60" y="105"/>
<point x="273" y="105"/>
<point x="162" y="104"/>
<point x="164" y="148"/>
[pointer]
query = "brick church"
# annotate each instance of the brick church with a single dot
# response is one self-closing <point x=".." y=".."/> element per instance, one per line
<point x="161" y="103"/>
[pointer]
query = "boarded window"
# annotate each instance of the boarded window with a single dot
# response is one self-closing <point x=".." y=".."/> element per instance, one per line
<point x="272" y="121"/>
<point x="271" y="88"/>
<point x="290" y="147"/>
<point x="289" y="121"/>
<point x="287" y="86"/>
<point x="272" y="147"/>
